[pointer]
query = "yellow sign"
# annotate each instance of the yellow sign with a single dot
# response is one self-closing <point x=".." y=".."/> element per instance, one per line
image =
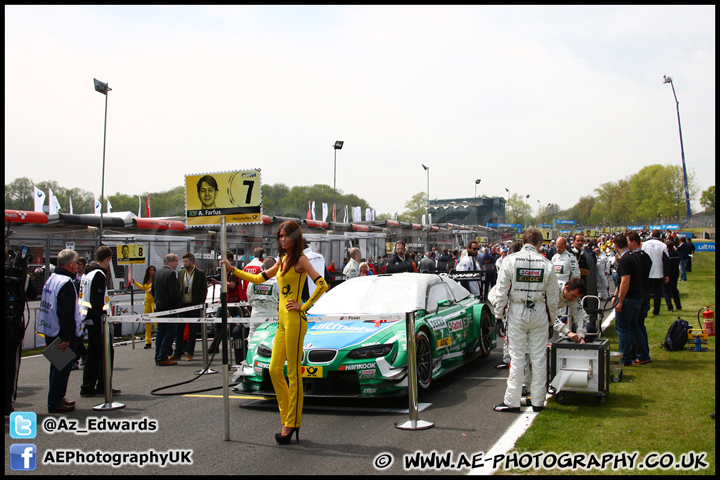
<point x="546" y="234"/>
<point x="591" y="233"/>
<point x="518" y="236"/>
<point x="131" y="253"/>
<point x="233" y="195"/>
<point x="390" y="247"/>
<point x="312" y="372"/>
<point x="444" y="342"/>
<point x="482" y="240"/>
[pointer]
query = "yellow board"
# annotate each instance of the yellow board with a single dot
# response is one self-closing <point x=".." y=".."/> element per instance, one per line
<point x="128" y="254"/>
<point x="312" y="372"/>
<point x="546" y="234"/>
<point x="233" y="195"/>
<point x="444" y="342"/>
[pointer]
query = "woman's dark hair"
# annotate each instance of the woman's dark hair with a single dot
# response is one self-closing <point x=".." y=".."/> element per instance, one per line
<point x="147" y="274"/>
<point x="293" y="231"/>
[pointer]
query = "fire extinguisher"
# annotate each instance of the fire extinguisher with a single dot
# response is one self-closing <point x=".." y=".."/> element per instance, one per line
<point x="708" y="318"/>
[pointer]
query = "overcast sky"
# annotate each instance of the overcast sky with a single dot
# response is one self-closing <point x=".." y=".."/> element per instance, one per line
<point x="545" y="101"/>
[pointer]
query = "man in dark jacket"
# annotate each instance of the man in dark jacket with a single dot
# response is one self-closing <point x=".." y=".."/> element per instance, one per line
<point x="193" y="289"/>
<point x="399" y="262"/>
<point x="671" y="268"/>
<point x="684" y="251"/>
<point x="59" y="316"/>
<point x="166" y="291"/>
<point x="94" y="303"/>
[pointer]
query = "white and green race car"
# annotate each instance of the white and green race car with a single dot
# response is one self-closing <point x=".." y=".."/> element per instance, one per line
<point x="356" y="342"/>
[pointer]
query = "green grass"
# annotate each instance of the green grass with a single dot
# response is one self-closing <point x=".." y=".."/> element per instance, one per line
<point x="661" y="407"/>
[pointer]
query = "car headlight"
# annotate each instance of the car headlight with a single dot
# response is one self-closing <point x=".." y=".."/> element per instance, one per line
<point x="370" y="352"/>
<point x="264" y="351"/>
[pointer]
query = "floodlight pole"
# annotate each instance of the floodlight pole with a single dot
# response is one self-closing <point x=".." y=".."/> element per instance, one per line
<point x="103" y="88"/>
<point x="337" y="146"/>
<point x="427" y="169"/>
<point x="669" y="80"/>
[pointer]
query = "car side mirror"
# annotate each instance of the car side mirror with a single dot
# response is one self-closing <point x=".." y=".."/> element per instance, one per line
<point x="444" y="303"/>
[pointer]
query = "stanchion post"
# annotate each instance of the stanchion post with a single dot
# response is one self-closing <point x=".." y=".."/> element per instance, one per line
<point x="413" y="422"/>
<point x="205" y="370"/>
<point x="107" y="335"/>
<point x="132" y="309"/>
<point x="223" y="302"/>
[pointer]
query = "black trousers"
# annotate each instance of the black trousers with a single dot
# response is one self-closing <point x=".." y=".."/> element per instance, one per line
<point x="13" y="347"/>
<point x="671" y="293"/>
<point x="94" y="368"/>
<point x="656" y="290"/>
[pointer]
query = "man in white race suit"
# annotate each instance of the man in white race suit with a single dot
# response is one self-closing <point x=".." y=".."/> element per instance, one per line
<point x="526" y="293"/>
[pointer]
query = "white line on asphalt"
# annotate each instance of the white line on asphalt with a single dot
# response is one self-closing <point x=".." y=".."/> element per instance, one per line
<point x="260" y="403"/>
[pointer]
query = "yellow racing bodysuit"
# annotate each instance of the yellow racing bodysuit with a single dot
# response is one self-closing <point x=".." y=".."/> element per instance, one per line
<point x="288" y="343"/>
<point x="149" y="308"/>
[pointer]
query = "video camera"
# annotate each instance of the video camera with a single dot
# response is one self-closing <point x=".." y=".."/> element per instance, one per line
<point x="17" y="267"/>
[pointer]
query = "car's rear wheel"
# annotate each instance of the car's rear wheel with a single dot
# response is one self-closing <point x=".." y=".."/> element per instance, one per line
<point x="485" y="333"/>
<point x="423" y="356"/>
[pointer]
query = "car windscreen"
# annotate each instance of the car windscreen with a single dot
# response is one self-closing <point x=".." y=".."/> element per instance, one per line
<point x="374" y="295"/>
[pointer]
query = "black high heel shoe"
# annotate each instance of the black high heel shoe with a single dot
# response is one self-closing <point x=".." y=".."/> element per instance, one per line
<point x="285" y="439"/>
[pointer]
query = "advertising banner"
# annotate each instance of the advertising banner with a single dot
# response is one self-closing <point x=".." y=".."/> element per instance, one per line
<point x="233" y="195"/>
<point x="704" y="246"/>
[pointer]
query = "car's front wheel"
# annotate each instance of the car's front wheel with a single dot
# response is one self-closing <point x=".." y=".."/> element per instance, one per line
<point x="485" y="333"/>
<point x="423" y="356"/>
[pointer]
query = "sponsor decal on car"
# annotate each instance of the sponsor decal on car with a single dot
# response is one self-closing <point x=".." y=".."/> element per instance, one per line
<point x="369" y="373"/>
<point x="444" y="342"/>
<point x="437" y="323"/>
<point x="367" y="391"/>
<point x="260" y="364"/>
<point x="455" y="325"/>
<point x="532" y="275"/>
<point x="357" y="366"/>
<point x="340" y="326"/>
<point x="312" y="372"/>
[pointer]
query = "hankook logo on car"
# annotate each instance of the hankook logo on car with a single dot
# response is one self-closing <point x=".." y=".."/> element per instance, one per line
<point x="357" y="366"/>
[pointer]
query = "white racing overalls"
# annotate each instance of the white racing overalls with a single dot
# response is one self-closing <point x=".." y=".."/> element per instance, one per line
<point x="526" y="294"/>
<point x="566" y="266"/>
<point x="571" y="318"/>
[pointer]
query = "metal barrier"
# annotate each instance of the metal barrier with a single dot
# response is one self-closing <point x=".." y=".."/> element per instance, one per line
<point x="413" y="423"/>
<point x="107" y="337"/>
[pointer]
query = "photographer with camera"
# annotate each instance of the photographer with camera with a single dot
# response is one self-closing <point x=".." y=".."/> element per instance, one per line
<point x="18" y="289"/>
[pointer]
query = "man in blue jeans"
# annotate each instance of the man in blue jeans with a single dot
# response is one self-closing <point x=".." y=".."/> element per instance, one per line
<point x="684" y="251"/>
<point x="630" y="299"/>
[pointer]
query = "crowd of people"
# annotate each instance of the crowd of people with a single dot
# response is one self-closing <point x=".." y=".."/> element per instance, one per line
<point x="644" y="269"/>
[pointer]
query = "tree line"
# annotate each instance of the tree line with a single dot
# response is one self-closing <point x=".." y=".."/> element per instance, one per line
<point x="278" y="199"/>
<point x="654" y="194"/>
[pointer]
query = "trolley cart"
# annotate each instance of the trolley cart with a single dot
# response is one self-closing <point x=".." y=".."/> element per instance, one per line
<point x="580" y="369"/>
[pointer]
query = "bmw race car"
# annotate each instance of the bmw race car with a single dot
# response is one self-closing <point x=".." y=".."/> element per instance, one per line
<point x="356" y="342"/>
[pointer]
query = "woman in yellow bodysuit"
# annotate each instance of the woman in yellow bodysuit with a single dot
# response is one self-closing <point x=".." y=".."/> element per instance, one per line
<point x="292" y="272"/>
<point x="149" y="302"/>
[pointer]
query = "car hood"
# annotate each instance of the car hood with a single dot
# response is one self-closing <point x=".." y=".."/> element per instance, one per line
<point x="343" y="334"/>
